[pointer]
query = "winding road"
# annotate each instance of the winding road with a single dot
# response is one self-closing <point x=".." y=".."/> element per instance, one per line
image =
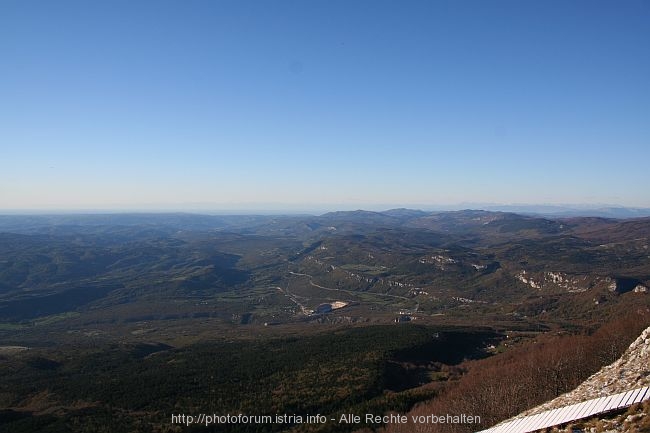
<point x="351" y="292"/>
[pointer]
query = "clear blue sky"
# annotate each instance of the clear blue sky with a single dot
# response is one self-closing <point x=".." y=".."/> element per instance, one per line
<point x="299" y="104"/>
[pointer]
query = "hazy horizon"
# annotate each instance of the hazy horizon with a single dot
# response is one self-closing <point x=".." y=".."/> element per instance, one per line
<point x="326" y="104"/>
<point x="279" y="209"/>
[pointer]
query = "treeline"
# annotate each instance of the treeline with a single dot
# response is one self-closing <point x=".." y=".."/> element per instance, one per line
<point x="523" y="377"/>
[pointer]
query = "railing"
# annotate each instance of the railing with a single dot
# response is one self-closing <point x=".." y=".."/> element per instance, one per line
<point x="574" y="412"/>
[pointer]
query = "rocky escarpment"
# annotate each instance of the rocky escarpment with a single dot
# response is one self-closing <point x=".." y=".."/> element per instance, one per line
<point x="630" y="371"/>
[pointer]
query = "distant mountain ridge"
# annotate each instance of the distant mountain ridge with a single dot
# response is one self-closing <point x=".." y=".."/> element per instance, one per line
<point x="497" y="224"/>
<point x="568" y="211"/>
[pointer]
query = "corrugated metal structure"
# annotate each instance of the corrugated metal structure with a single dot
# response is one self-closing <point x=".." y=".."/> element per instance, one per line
<point x="574" y="412"/>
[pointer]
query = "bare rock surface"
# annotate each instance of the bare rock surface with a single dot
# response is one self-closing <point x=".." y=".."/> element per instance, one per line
<point x="630" y="371"/>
